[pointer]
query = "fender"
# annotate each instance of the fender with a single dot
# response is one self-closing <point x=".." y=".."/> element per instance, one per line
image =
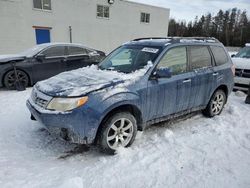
<point x="119" y="99"/>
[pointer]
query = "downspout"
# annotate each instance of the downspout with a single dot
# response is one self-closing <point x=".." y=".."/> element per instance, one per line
<point x="70" y="34"/>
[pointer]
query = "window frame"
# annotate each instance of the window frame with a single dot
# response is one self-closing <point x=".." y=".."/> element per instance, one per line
<point x="165" y="53"/>
<point x="103" y="12"/>
<point x="42" y="9"/>
<point x="145" y="18"/>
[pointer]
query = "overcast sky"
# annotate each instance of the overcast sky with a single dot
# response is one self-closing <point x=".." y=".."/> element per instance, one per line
<point x="188" y="9"/>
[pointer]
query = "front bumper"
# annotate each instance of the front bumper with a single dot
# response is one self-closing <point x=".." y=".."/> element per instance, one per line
<point x="241" y="83"/>
<point x="78" y="126"/>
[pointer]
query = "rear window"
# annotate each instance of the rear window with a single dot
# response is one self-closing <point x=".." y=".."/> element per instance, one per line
<point x="74" y="50"/>
<point x="200" y="57"/>
<point x="220" y="55"/>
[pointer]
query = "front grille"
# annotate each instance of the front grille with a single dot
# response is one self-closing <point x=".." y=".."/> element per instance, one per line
<point x="41" y="102"/>
<point x="242" y="73"/>
<point x="40" y="99"/>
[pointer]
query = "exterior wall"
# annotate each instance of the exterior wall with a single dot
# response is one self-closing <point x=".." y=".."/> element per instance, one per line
<point x="17" y="18"/>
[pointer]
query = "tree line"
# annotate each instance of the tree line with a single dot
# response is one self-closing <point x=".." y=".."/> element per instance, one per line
<point x="231" y="27"/>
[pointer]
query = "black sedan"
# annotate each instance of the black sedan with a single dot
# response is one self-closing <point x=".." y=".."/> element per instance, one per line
<point x="44" y="61"/>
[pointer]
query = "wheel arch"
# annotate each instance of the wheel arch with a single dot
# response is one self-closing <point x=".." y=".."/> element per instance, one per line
<point x="133" y="109"/>
<point x="224" y="88"/>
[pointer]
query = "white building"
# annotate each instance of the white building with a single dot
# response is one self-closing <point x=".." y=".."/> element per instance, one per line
<point x="101" y="24"/>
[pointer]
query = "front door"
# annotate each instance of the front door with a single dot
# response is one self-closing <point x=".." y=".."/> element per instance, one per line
<point x="52" y="64"/>
<point x="167" y="96"/>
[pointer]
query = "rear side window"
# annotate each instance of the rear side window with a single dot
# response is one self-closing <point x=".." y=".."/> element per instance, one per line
<point x="55" y="51"/>
<point x="175" y="59"/>
<point x="220" y="55"/>
<point x="74" y="50"/>
<point x="200" y="57"/>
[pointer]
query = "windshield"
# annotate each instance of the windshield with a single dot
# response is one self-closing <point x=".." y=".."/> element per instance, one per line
<point x="244" y="53"/>
<point x="34" y="50"/>
<point x="128" y="59"/>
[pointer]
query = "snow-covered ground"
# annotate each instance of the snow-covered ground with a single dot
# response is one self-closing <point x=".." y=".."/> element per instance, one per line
<point x="196" y="152"/>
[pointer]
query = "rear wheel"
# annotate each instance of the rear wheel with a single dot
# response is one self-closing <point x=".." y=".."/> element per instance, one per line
<point x="216" y="104"/>
<point x="10" y="79"/>
<point x="118" y="131"/>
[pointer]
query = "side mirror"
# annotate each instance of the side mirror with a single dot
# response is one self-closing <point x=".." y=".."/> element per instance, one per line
<point x="40" y="57"/>
<point x="233" y="55"/>
<point x="162" y="73"/>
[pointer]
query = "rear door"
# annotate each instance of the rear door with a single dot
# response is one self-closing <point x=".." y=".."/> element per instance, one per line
<point x="223" y="68"/>
<point x="53" y="63"/>
<point x="200" y="62"/>
<point x="78" y="57"/>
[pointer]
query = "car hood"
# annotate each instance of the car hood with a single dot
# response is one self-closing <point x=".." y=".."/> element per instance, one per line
<point x="11" y="57"/>
<point x="241" y="63"/>
<point x="83" y="81"/>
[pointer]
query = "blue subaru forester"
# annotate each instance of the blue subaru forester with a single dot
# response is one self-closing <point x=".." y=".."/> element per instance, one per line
<point x="142" y="82"/>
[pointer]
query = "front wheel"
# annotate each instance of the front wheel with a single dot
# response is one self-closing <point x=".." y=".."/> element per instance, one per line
<point x="216" y="104"/>
<point x="118" y="131"/>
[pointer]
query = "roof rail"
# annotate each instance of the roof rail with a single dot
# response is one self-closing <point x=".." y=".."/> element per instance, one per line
<point x="182" y="39"/>
<point x="151" y="38"/>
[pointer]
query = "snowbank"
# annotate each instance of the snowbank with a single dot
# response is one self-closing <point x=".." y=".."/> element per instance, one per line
<point x="196" y="152"/>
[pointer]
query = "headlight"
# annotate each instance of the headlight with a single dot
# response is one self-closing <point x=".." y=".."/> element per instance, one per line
<point x="66" y="104"/>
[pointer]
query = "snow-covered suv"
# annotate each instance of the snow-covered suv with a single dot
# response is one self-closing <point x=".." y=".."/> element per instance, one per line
<point x="142" y="82"/>
<point x="242" y="72"/>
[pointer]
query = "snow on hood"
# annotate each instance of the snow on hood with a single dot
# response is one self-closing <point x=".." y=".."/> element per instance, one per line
<point x="10" y="57"/>
<point x="86" y="80"/>
<point x="241" y="63"/>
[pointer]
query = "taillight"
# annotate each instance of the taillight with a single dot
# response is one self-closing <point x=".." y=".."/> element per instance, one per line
<point x="233" y="69"/>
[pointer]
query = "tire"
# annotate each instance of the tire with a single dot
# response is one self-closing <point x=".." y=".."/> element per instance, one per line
<point x="10" y="78"/>
<point x="216" y="104"/>
<point x="118" y="130"/>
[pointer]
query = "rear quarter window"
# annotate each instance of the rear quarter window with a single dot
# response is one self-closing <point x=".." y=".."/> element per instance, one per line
<point x="220" y="55"/>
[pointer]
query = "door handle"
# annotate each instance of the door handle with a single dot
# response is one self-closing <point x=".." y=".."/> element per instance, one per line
<point x="215" y="74"/>
<point x="187" y="81"/>
<point x="64" y="59"/>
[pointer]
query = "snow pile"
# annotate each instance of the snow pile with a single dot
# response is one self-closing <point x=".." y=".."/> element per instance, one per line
<point x="196" y="152"/>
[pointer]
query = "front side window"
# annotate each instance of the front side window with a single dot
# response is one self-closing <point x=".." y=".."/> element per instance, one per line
<point x="128" y="59"/>
<point x="42" y="4"/>
<point x="220" y="55"/>
<point x="200" y="57"/>
<point x="176" y="60"/>
<point x="55" y="51"/>
<point x="145" y="17"/>
<point x="102" y="11"/>
<point x="74" y="50"/>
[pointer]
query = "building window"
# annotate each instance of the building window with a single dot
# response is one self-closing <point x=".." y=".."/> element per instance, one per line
<point x="102" y="11"/>
<point x="145" y="17"/>
<point x="42" y="4"/>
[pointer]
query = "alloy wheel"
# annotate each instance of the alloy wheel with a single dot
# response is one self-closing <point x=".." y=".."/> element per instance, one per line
<point x="217" y="104"/>
<point x="120" y="133"/>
